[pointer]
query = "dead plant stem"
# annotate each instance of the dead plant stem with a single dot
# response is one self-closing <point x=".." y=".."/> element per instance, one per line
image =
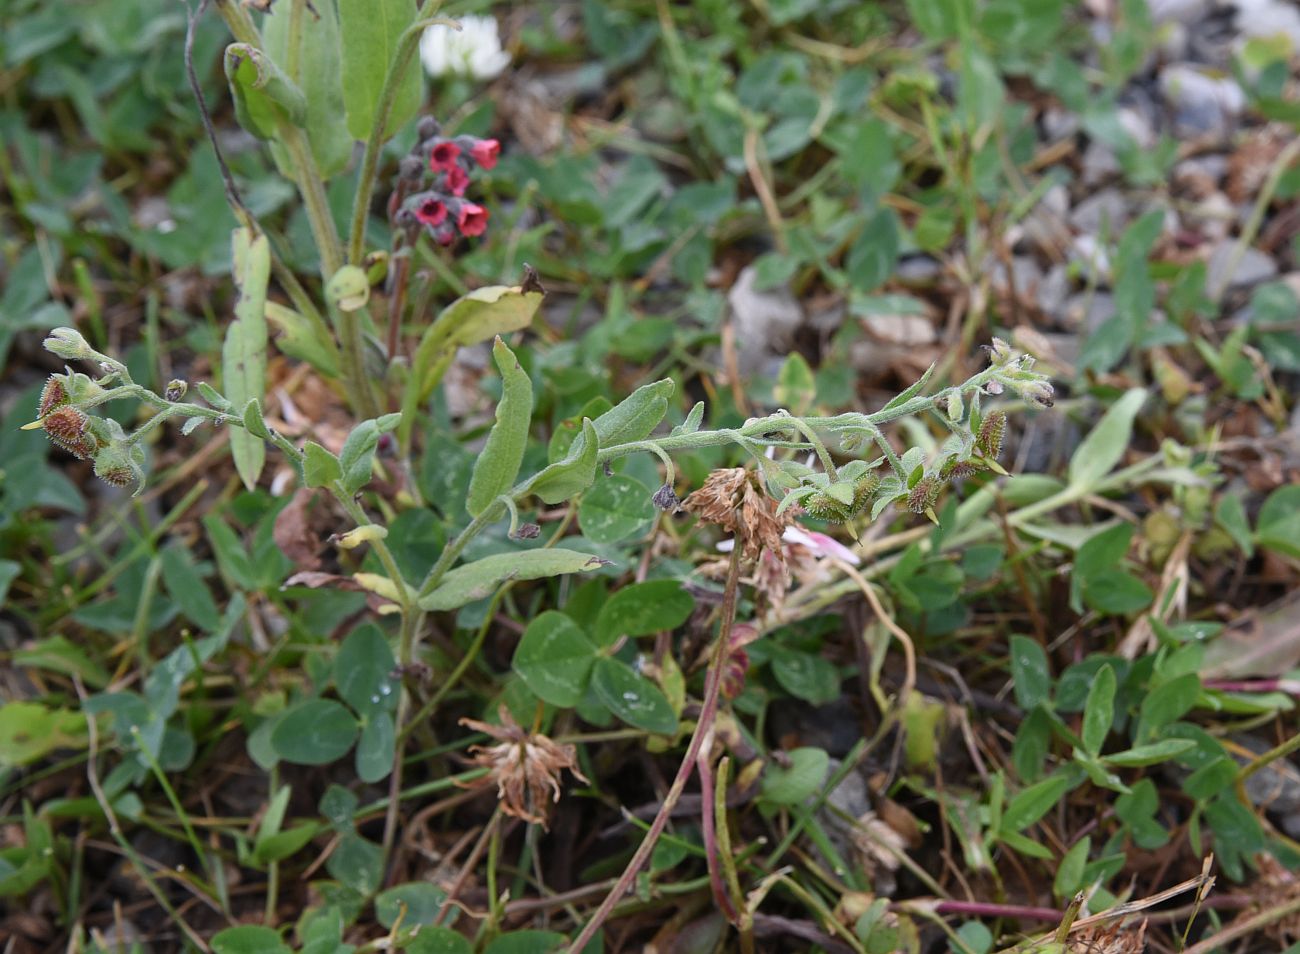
<point x="703" y="731"/>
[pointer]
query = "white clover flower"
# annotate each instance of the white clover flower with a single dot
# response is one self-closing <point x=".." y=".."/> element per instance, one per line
<point x="473" y="50"/>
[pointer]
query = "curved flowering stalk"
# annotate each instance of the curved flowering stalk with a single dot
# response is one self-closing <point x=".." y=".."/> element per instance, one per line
<point x="841" y="493"/>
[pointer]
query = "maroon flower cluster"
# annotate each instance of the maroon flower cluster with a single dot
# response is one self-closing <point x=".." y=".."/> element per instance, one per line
<point x="440" y="167"/>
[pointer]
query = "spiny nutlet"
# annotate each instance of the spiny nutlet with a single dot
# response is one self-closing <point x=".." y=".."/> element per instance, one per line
<point x="52" y="395"/>
<point x="864" y="488"/>
<point x="117" y="476"/>
<point x="954" y="469"/>
<point x="66" y="427"/>
<point x="924" y="494"/>
<point x="527" y="531"/>
<point x="113" y="465"/>
<point x="988" y="439"/>
<point x="825" y="507"/>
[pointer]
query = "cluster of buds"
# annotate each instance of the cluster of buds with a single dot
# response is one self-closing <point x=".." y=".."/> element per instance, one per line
<point x="59" y="414"/>
<point x="975" y="446"/>
<point x="1017" y="374"/>
<point x="430" y="193"/>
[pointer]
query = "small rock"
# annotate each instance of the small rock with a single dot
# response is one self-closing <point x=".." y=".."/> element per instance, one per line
<point x="1053" y="289"/>
<point x="907" y="330"/>
<point x="765" y="321"/>
<point x="1105" y="208"/>
<point x="1253" y="267"/>
<point x="1173" y="40"/>
<point x="1137" y="123"/>
<point x="1201" y="103"/>
<point x="1092" y="256"/>
<point x="1087" y="313"/>
<point x="1213" y="216"/>
<point x="1025" y="275"/>
<point x="1099" y="163"/>
<point x="1199" y="177"/>
<point x="1044" y="228"/>
<point x="1059" y="123"/>
<point x="918" y="270"/>
<point x="1178" y="11"/>
<point x="1268" y="18"/>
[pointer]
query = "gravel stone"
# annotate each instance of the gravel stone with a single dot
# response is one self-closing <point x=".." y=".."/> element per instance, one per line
<point x="1254" y="267"/>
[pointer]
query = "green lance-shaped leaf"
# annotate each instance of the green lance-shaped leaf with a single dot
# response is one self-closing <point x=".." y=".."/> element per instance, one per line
<point x="370" y="31"/>
<point x="243" y="356"/>
<point x="565" y="478"/>
<point x="633" y="418"/>
<point x="479" y="579"/>
<point x="912" y="391"/>
<point x="264" y="95"/>
<point x="320" y="467"/>
<point x="498" y="466"/>
<point x="1102" y="449"/>
<point x="358" y="453"/>
<point x="475" y="317"/>
<point x="318" y="76"/>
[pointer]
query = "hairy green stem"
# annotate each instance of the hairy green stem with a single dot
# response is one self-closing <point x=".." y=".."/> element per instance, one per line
<point x="406" y="46"/>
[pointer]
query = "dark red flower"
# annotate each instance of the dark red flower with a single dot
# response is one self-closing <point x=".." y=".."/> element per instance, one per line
<point x="485" y="152"/>
<point x="471" y="218"/>
<point x="431" y="211"/>
<point x="445" y="234"/>
<point x="443" y="156"/>
<point x="456" y="180"/>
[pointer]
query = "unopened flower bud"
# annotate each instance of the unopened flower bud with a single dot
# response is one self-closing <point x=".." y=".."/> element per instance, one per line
<point x="68" y="343"/>
<point x="999" y="352"/>
<point x="176" y="389"/>
<point x="1037" y="392"/>
<point x="428" y="128"/>
<point x="666" y="499"/>
<point x="410" y="169"/>
<point x="954" y="406"/>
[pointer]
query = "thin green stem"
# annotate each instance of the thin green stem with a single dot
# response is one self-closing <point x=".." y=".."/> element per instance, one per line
<point x="311" y="186"/>
<point x="352" y="358"/>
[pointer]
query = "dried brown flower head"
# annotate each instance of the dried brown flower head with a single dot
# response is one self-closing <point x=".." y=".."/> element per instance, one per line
<point x="1115" y="939"/>
<point x="732" y="499"/>
<point x="526" y="766"/>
